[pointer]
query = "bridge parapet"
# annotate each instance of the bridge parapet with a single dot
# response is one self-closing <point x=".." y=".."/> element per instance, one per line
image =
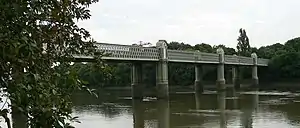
<point x="211" y="58"/>
<point x="127" y="52"/>
<point x="139" y="53"/>
<point x="262" y="62"/>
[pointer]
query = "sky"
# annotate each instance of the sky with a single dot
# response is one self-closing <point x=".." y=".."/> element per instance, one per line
<point x="194" y="21"/>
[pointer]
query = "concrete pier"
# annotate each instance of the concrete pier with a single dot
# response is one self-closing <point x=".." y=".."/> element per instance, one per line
<point x="136" y="81"/>
<point x="198" y="100"/>
<point x="198" y="78"/>
<point x="162" y="84"/>
<point x="254" y="70"/>
<point x="220" y="70"/>
<point x="235" y="77"/>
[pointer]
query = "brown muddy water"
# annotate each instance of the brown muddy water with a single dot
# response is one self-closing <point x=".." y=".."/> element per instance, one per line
<point x="229" y="109"/>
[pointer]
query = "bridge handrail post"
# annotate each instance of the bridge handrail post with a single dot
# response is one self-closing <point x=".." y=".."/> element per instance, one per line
<point x="197" y="55"/>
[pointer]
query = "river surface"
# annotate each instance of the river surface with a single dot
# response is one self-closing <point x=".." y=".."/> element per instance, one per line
<point x="231" y="109"/>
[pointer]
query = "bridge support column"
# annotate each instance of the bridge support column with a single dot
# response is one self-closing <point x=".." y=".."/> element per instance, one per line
<point x="235" y="77"/>
<point x="198" y="100"/>
<point x="220" y="70"/>
<point x="198" y="78"/>
<point x="254" y="70"/>
<point x="136" y="81"/>
<point x="162" y="84"/>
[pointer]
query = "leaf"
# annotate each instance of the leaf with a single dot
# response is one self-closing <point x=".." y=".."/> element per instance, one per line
<point x="85" y="82"/>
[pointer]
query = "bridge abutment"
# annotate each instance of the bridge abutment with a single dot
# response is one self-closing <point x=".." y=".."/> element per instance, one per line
<point x="198" y="78"/>
<point x="136" y="81"/>
<point x="162" y="84"/>
<point x="220" y="70"/>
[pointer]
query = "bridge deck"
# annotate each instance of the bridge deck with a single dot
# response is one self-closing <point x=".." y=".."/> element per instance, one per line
<point x="117" y="52"/>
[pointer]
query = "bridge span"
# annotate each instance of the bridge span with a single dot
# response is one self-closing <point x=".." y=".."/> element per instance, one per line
<point x="161" y="55"/>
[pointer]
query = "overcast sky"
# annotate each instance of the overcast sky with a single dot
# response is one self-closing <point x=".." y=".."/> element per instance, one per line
<point x="194" y="21"/>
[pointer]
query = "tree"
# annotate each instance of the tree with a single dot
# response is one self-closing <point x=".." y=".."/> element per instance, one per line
<point x="94" y="76"/>
<point x="293" y="45"/>
<point x="38" y="39"/>
<point x="271" y="51"/>
<point x="178" y="46"/>
<point x="227" y="50"/>
<point x="285" y="65"/>
<point x="243" y="45"/>
<point x="142" y="43"/>
<point x="253" y="50"/>
<point x="174" y="45"/>
<point x="284" y="62"/>
<point x="204" y="48"/>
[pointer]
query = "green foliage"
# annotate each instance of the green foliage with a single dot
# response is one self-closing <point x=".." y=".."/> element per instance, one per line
<point x="181" y="74"/>
<point x="149" y="74"/>
<point x="121" y="74"/>
<point x="254" y="50"/>
<point x="284" y="62"/>
<point x="111" y="75"/>
<point x="178" y="46"/>
<point x="227" y="50"/>
<point x="91" y="74"/>
<point x="292" y="45"/>
<point x="243" y="45"/>
<point x="270" y="51"/>
<point x="204" y="48"/>
<point x="37" y="40"/>
<point x="286" y="65"/>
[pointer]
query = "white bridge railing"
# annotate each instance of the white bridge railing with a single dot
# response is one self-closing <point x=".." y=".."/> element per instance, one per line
<point x="137" y="53"/>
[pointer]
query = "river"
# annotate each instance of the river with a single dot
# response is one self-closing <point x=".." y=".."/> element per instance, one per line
<point x="231" y="109"/>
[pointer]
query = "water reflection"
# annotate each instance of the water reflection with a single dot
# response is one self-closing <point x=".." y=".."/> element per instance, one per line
<point x="248" y="110"/>
<point x="232" y="108"/>
<point x="138" y="113"/>
<point x="235" y="98"/>
<point x="163" y="113"/>
<point x="222" y="108"/>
